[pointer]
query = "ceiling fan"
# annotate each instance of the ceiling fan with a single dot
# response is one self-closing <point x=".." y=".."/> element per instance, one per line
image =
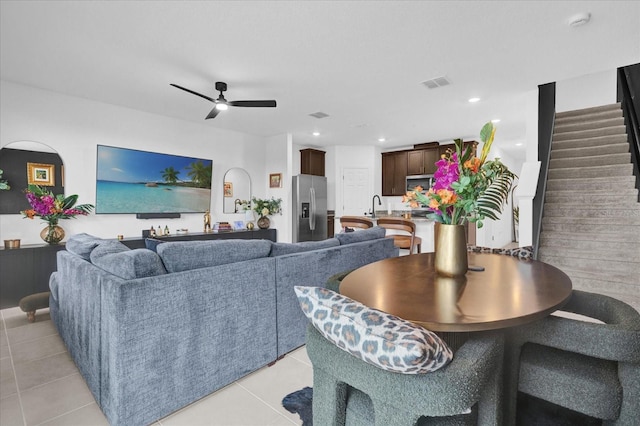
<point x="222" y="104"/>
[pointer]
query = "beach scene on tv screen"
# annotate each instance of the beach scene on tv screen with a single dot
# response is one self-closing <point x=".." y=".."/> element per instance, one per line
<point x="132" y="181"/>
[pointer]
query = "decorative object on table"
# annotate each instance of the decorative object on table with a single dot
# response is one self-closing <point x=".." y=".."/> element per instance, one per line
<point x="466" y="189"/>
<point x="275" y="180"/>
<point x="228" y="189"/>
<point x="4" y="185"/>
<point x="248" y="218"/>
<point x="40" y="174"/>
<point x="182" y="231"/>
<point x="51" y="208"/>
<point x="238" y="225"/>
<point x="265" y="208"/>
<point x="207" y="221"/>
<point x="12" y="244"/>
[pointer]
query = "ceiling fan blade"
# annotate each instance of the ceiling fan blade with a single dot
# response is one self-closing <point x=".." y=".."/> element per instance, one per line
<point x="214" y="112"/>
<point x="192" y="92"/>
<point x="267" y="104"/>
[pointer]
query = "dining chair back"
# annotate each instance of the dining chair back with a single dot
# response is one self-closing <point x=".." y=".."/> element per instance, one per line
<point x="589" y="367"/>
<point x="356" y="222"/>
<point x="407" y="241"/>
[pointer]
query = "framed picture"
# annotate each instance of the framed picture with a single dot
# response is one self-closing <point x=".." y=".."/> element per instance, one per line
<point x="40" y="174"/>
<point x="275" y="180"/>
<point x="228" y="189"/>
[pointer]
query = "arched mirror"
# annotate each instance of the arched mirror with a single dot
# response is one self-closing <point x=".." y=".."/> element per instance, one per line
<point x="25" y="162"/>
<point x="236" y="191"/>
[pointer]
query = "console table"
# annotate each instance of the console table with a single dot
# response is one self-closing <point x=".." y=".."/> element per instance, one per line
<point x="26" y="270"/>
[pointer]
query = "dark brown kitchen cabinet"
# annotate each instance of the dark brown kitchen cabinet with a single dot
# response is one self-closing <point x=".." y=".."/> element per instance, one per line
<point x="312" y="162"/>
<point x="422" y="161"/>
<point x="394" y="173"/>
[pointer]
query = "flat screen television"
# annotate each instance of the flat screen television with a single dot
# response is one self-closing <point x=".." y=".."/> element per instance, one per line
<point x="133" y="181"/>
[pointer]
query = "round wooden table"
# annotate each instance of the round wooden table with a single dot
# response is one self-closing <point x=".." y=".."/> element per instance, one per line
<point x="509" y="292"/>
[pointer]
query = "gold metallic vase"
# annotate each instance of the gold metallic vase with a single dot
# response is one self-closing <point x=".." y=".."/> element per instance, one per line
<point x="451" y="251"/>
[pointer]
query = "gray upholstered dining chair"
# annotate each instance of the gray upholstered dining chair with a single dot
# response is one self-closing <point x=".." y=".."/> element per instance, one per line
<point x="373" y="368"/>
<point x="588" y="367"/>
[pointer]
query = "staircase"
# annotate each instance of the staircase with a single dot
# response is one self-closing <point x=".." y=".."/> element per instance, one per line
<point x="591" y="220"/>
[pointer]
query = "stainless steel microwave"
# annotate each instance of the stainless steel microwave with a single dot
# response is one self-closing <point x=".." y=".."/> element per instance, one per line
<point x="425" y="181"/>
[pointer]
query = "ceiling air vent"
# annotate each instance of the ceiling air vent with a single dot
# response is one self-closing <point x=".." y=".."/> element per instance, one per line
<point x="319" y="114"/>
<point x="434" y="83"/>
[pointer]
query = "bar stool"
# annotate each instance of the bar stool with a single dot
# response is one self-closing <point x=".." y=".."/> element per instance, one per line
<point x="407" y="242"/>
<point x="356" y="222"/>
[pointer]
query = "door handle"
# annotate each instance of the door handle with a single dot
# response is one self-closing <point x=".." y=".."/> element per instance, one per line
<point x="312" y="219"/>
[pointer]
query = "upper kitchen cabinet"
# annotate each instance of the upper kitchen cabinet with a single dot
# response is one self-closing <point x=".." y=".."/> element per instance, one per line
<point x="422" y="161"/>
<point x="394" y="173"/>
<point x="312" y="162"/>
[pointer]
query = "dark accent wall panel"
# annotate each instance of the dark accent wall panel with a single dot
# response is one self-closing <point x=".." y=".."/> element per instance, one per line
<point x="13" y="162"/>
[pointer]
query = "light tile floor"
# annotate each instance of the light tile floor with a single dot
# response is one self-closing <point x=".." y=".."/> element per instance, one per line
<point x="40" y="385"/>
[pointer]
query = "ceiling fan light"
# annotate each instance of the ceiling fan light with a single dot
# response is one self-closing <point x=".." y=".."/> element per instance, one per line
<point x="222" y="106"/>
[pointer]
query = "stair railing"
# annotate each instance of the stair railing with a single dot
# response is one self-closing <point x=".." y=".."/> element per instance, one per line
<point x="628" y="88"/>
<point x="546" y="123"/>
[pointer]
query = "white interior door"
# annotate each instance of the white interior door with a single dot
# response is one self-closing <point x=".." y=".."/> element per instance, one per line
<point x="355" y="191"/>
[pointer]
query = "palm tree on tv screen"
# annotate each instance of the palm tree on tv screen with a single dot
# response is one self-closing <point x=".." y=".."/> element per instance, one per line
<point x="170" y="175"/>
<point x="200" y="174"/>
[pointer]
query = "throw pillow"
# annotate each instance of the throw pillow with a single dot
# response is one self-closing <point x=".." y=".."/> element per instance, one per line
<point x="359" y="236"/>
<point x="82" y="245"/>
<point x="152" y="244"/>
<point x="117" y="259"/>
<point x="280" y="249"/>
<point x="386" y="341"/>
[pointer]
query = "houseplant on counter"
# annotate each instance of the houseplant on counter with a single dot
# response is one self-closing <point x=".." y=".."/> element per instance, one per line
<point x="264" y="208"/>
<point x="51" y="208"/>
<point x="466" y="189"/>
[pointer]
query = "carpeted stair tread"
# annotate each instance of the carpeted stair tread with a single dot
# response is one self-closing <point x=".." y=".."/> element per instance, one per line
<point x="587" y="241"/>
<point x="576" y="126"/>
<point x="599" y="160"/>
<point x="621" y="256"/>
<point x="616" y="279"/>
<point x="619" y="198"/>
<point x="611" y="183"/>
<point x="590" y="142"/>
<point x="591" y="172"/>
<point x="588" y="111"/>
<point x="591" y="151"/>
<point x="553" y="224"/>
<point x="550" y="237"/>
<point x="562" y="260"/>
<point x="580" y="210"/>
<point x="589" y="133"/>
<point x="588" y="117"/>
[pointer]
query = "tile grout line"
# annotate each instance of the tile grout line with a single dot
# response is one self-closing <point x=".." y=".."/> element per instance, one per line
<point x="13" y="369"/>
<point x="265" y="402"/>
<point x="63" y="414"/>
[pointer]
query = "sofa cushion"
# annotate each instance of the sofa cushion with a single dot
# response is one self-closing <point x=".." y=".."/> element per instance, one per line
<point x="386" y="341"/>
<point x="82" y="245"/>
<point x="186" y="255"/>
<point x="279" y="249"/>
<point x="359" y="236"/>
<point x="117" y="259"/>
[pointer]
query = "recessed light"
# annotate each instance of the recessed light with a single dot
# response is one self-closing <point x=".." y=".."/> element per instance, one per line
<point x="381" y="139"/>
<point x="495" y="120"/>
<point x="316" y="133"/>
<point x="473" y="100"/>
<point x="519" y="144"/>
<point x="579" y="19"/>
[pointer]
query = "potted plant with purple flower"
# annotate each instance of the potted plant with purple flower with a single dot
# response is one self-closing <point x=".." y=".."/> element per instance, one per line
<point x="465" y="189"/>
<point x="51" y="208"/>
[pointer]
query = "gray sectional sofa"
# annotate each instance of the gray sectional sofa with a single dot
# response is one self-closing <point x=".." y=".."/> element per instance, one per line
<point x="152" y="331"/>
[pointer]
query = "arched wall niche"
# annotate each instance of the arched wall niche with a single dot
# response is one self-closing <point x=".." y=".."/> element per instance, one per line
<point x="21" y="159"/>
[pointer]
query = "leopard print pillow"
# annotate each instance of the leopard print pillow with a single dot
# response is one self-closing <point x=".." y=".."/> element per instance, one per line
<point x="378" y="338"/>
<point x="519" y="252"/>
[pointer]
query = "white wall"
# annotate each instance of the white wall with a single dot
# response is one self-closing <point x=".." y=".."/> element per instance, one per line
<point x="277" y="159"/>
<point x="74" y="126"/>
<point x="586" y="91"/>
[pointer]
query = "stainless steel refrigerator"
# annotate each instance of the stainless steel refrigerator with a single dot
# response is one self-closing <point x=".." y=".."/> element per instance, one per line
<point x="309" y="208"/>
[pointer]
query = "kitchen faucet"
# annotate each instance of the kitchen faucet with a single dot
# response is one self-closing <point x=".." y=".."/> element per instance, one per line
<point x="373" y="205"/>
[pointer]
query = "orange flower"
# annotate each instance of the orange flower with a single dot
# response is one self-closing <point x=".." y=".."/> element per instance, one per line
<point x="473" y="164"/>
<point x="418" y="188"/>
<point x="433" y="203"/>
<point x="446" y="196"/>
<point x="30" y="213"/>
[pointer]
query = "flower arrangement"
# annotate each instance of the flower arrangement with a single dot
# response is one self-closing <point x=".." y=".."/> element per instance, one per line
<point x="4" y="185"/>
<point x="267" y="207"/>
<point x="51" y="208"/>
<point x="466" y="188"/>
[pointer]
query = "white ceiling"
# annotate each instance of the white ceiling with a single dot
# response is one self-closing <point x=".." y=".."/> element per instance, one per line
<point x="361" y="62"/>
